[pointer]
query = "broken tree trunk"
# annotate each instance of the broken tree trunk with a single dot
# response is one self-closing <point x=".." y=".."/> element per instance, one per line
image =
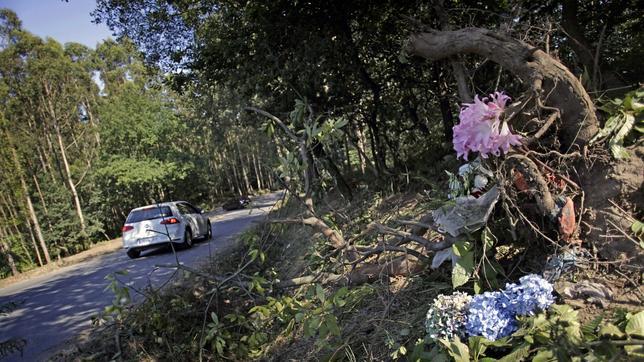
<point x="552" y="82"/>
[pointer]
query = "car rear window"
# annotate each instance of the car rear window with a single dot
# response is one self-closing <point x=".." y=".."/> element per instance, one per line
<point x="148" y="214"/>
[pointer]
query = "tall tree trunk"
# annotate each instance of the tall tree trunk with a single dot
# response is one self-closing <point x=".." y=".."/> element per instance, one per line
<point x="33" y="243"/>
<point x="347" y="155"/>
<point x="14" y="223"/>
<point x="70" y="180"/>
<point x="30" y="206"/>
<point x="378" y="149"/>
<point x="4" y="249"/>
<point x="258" y="176"/>
<point x="233" y="166"/>
<point x="9" y="205"/>
<point x="243" y="169"/>
<point x="360" y="147"/>
<point x="40" y="195"/>
<point x="443" y="102"/>
<point x="63" y="154"/>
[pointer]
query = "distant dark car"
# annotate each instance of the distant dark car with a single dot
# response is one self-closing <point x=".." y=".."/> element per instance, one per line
<point x="236" y="203"/>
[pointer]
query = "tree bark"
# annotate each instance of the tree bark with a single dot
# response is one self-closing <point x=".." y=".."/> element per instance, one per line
<point x="7" y="253"/>
<point x="258" y="177"/>
<point x="243" y="168"/>
<point x="30" y="206"/>
<point x="70" y="181"/>
<point x="63" y="154"/>
<point x="40" y="195"/>
<point x="14" y="223"/>
<point x="548" y="78"/>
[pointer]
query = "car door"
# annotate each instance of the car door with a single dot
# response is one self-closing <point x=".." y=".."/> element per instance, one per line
<point x="188" y="215"/>
<point x="200" y="219"/>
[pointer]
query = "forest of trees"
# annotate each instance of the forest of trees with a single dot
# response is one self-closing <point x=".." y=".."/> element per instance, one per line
<point x="166" y="110"/>
<point x="76" y="156"/>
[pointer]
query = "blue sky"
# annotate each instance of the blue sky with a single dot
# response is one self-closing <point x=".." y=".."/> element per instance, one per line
<point x="63" y="21"/>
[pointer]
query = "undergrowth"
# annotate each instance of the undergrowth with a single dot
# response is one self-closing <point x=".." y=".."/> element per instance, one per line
<point x="245" y="313"/>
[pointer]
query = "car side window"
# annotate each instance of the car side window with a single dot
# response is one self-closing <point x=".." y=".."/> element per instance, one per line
<point x="193" y="210"/>
<point x="184" y="209"/>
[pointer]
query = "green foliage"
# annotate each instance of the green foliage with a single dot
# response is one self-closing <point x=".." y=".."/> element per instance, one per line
<point x="115" y="311"/>
<point x="555" y="335"/>
<point x="624" y="116"/>
<point x="464" y="267"/>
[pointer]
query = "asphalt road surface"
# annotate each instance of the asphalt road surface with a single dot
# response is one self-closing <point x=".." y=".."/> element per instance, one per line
<point x="58" y="306"/>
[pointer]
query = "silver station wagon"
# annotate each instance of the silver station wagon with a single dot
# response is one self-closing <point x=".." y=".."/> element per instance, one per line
<point x="175" y="222"/>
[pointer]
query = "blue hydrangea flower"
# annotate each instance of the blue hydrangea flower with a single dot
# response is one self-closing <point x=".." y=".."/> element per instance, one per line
<point x="531" y="295"/>
<point x="489" y="317"/>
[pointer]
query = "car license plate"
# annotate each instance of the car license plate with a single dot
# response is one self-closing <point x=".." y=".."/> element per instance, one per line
<point x="144" y="241"/>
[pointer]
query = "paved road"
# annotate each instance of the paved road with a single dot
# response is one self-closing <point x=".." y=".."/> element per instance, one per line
<point x="59" y="305"/>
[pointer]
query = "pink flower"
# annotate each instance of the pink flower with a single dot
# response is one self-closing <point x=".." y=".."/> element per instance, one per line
<point x="481" y="128"/>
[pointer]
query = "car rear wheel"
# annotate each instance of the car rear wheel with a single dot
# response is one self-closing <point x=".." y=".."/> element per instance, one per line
<point x="133" y="253"/>
<point x="187" y="239"/>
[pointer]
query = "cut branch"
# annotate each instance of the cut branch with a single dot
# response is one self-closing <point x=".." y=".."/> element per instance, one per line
<point x="433" y="246"/>
<point x="333" y="236"/>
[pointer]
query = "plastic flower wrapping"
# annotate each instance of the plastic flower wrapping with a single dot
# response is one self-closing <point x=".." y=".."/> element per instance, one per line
<point x="481" y="128"/>
<point x="446" y="317"/>
<point x="491" y="314"/>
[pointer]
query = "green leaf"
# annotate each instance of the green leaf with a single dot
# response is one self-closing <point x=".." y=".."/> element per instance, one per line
<point x="477" y="346"/>
<point x="610" y="330"/>
<point x="589" y="329"/>
<point x="464" y="266"/>
<point x="616" y="142"/>
<point x="517" y="354"/>
<point x="332" y="324"/>
<point x="319" y="293"/>
<point x="637" y="228"/>
<point x="457" y="349"/>
<point x="544" y="356"/>
<point x="635" y="325"/>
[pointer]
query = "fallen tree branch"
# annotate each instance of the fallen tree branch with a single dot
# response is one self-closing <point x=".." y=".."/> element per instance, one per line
<point x="367" y="252"/>
<point x="336" y="239"/>
<point x="420" y="224"/>
<point x="361" y="275"/>
<point x="433" y="246"/>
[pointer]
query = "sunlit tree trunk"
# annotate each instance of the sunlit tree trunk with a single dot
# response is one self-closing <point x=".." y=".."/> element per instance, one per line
<point x="70" y="181"/>
<point x="9" y="205"/>
<point x="7" y="253"/>
<point x="17" y="234"/>
<point x="258" y="176"/>
<point x="63" y="154"/>
<point x="30" y="206"/>
<point x="33" y="243"/>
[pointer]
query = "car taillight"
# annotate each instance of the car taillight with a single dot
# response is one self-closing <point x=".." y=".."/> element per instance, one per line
<point x="172" y="220"/>
<point x="127" y="228"/>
